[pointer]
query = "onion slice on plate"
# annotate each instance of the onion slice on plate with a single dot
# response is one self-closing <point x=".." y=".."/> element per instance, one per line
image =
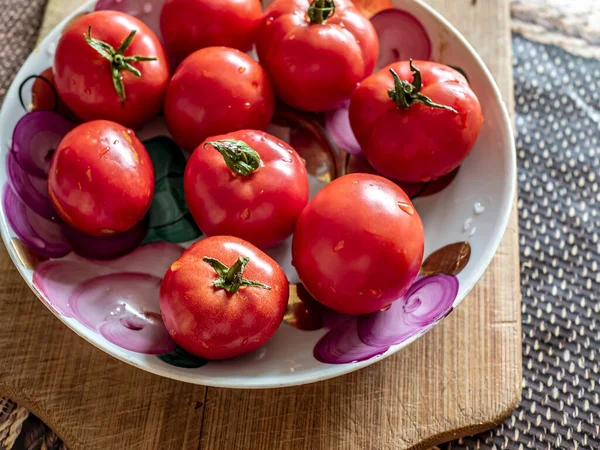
<point x="148" y="11"/>
<point x="35" y="138"/>
<point x="338" y="126"/>
<point x="124" y="308"/>
<point x="41" y="235"/>
<point x="342" y="345"/>
<point x="401" y="37"/>
<point x="32" y="190"/>
<point x="106" y="247"/>
<point x="428" y="300"/>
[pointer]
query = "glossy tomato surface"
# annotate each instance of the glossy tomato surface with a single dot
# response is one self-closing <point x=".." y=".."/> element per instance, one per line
<point x="231" y="23"/>
<point x="261" y="207"/>
<point x="209" y="321"/>
<point x="358" y="245"/>
<point x="315" y="67"/>
<point x="84" y="78"/>
<point x="214" y="91"/>
<point x="101" y="179"/>
<point x="418" y="143"/>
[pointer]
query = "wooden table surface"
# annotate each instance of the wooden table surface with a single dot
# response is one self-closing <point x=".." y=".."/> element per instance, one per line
<point x="461" y="378"/>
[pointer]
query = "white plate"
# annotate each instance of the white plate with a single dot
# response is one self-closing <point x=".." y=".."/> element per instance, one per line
<point x="474" y="208"/>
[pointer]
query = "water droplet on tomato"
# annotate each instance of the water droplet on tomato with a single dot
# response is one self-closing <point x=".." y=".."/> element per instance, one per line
<point x="355" y="182"/>
<point x="287" y="160"/>
<point x="247" y="105"/>
<point x="241" y="69"/>
<point x="255" y="84"/>
<point x="408" y="209"/>
<point x="385" y="308"/>
<point x="338" y="246"/>
<point x="116" y="141"/>
<point x="245" y="215"/>
<point x="375" y="292"/>
<point x="87" y="91"/>
<point x="73" y="82"/>
<point x="425" y="178"/>
<point x="331" y="287"/>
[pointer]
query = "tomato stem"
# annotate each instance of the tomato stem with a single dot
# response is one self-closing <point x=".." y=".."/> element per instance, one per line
<point x="231" y="278"/>
<point x="321" y="10"/>
<point x="405" y="93"/>
<point x="118" y="61"/>
<point x="239" y="156"/>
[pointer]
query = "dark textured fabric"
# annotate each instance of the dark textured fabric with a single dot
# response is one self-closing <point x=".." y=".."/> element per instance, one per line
<point x="558" y="128"/>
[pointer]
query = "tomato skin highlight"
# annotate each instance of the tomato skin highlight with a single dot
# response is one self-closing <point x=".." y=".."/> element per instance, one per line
<point x="101" y="179"/>
<point x="230" y="23"/>
<point x="358" y="245"/>
<point x="83" y="76"/>
<point x="262" y="207"/>
<point x="211" y="323"/>
<point x="315" y="67"/>
<point x="214" y="91"/>
<point x="419" y="143"/>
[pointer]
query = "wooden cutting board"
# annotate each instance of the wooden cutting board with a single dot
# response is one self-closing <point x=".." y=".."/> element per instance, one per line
<point x="461" y="378"/>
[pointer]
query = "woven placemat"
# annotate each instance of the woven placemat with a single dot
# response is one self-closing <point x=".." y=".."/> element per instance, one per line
<point x="558" y="132"/>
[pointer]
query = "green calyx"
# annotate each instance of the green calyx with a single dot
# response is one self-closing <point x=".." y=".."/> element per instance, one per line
<point x="405" y="94"/>
<point x="118" y="61"/>
<point x="320" y="10"/>
<point x="239" y="156"/>
<point x="232" y="278"/>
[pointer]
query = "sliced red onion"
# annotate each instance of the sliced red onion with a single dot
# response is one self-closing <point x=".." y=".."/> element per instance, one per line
<point x="342" y="345"/>
<point x="32" y="190"/>
<point x="338" y="126"/>
<point x="148" y="11"/>
<point x="41" y="235"/>
<point x="428" y="300"/>
<point x="106" y="247"/>
<point x="35" y="138"/>
<point x="58" y="278"/>
<point x="153" y="259"/>
<point x="401" y="37"/>
<point x="124" y="308"/>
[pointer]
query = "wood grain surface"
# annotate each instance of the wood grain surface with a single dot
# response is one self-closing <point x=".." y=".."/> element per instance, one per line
<point x="461" y="378"/>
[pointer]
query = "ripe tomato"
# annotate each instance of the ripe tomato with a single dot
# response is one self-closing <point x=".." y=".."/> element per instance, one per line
<point x="101" y="179"/>
<point x="223" y="297"/>
<point x="109" y="65"/>
<point x="358" y="245"/>
<point x="214" y="91"/>
<point x="231" y="23"/>
<point x="247" y="184"/>
<point x="415" y="132"/>
<point x="316" y="53"/>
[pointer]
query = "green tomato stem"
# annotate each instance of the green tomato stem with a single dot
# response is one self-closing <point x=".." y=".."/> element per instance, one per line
<point x="321" y="10"/>
<point x="406" y="94"/>
<point x="119" y="62"/>
<point x="239" y="156"/>
<point x="231" y="278"/>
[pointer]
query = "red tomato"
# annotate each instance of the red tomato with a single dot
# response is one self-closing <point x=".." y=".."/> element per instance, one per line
<point x="101" y="179"/>
<point x="204" y="311"/>
<point x="214" y="91"/>
<point x="101" y="74"/>
<point x="231" y="23"/>
<point x="424" y="131"/>
<point x="315" y="64"/>
<point x="358" y="245"/>
<point x="247" y="184"/>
